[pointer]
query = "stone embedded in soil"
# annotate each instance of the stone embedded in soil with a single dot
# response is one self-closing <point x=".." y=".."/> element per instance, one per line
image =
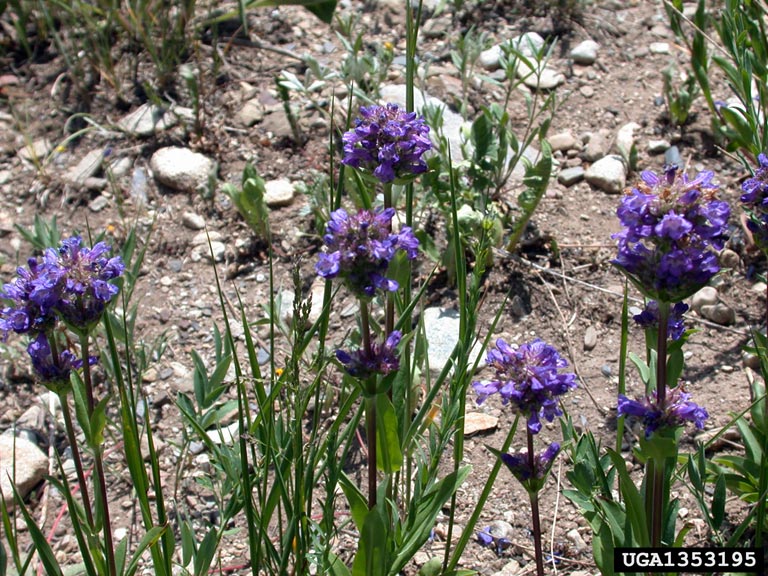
<point x="475" y="422"/>
<point x="585" y="53"/>
<point x="608" y="174"/>
<point x="511" y="568"/>
<point x="659" y="48"/>
<point x="657" y="146"/>
<point x="88" y="166"/>
<point x="590" y="338"/>
<point x="251" y="113"/>
<point x="31" y="464"/>
<point x="597" y="146"/>
<point x="707" y="296"/>
<point x="563" y="141"/>
<point x="545" y="78"/>
<point x="730" y="259"/>
<point x="441" y="326"/>
<point x="625" y="139"/>
<point x="719" y="313"/>
<point x="193" y="221"/>
<point x="36" y="151"/>
<point x="149" y="119"/>
<point x="182" y="169"/>
<point x="278" y="192"/>
<point x="570" y="176"/>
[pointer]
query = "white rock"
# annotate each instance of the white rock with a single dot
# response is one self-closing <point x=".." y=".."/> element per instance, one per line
<point x="87" y="167"/>
<point x="658" y="146"/>
<point x="659" y="48"/>
<point x="24" y="462"/>
<point x="278" y="192"/>
<point x="528" y="44"/>
<point x="148" y="119"/>
<point x="563" y="141"/>
<point x="597" y="147"/>
<point x="201" y="238"/>
<point x="489" y="59"/>
<point x="707" y="296"/>
<point x="608" y="174"/>
<point x="193" y="221"/>
<point x="546" y="79"/>
<point x="251" y="113"/>
<point x="215" y="252"/>
<point x="36" y="151"/>
<point x="182" y="169"/>
<point x="625" y="139"/>
<point x="585" y="52"/>
<point x="441" y="326"/>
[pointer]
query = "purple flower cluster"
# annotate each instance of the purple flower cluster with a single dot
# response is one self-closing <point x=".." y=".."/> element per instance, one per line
<point x="528" y="378"/>
<point x="520" y="466"/>
<point x="649" y="318"/>
<point x="671" y="226"/>
<point x="360" y="247"/>
<point x="387" y="142"/>
<point x="70" y="283"/>
<point x="677" y="410"/>
<point x="755" y="201"/>
<point x="382" y="358"/>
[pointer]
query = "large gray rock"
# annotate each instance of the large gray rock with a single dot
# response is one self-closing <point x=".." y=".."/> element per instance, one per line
<point x="22" y="461"/>
<point x="608" y="174"/>
<point x="182" y="169"/>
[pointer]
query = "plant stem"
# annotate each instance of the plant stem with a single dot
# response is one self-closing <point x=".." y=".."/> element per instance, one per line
<point x="656" y="466"/>
<point x="535" y="509"/>
<point x="76" y="457"/>
<point x="370" y="407"/>
<point x="98" y="458"/>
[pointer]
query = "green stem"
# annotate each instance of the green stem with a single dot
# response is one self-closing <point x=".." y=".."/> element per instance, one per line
<point x="98" y="459"/>
<point x="370" y="407"/>
<point x="535" y="509"/>
<point x="76" y="457"/>
<point x="656" y="466"/>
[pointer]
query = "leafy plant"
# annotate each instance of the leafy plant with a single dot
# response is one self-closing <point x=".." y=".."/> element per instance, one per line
<point x="249" y="201"/>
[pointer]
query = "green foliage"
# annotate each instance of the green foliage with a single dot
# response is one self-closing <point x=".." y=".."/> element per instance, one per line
<point x="679" y="96"/>
<point x="249" y="201"/>
<point x="731" y="40"/>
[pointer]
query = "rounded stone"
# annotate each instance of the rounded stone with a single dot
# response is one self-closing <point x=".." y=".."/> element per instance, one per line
<point x="182" y="169"/>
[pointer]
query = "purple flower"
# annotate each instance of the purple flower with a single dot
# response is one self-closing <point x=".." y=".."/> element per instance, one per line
<point x="32" y="298"/>
<point x="671" y="224"/>
<point x="528" y="378"/>
<point x="50" y="370"/>
<point x="86" y="289"/>
<point x="755" y="201"/>
<point x="520" y="467"/>
<point x="382" y="358"/>
<point x="677" y="410"/>
<point x="387" y="142"/>
<point x="360" y="247"/>
<point x="649" y="318"/>
<point x="494" y="535"/>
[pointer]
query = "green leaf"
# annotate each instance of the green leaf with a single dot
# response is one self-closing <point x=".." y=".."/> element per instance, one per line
<point x="718" y="502"/>
<point x="98" y="423"/>
<point x="188" y="544"/>
<point x="149" y="539"/>
<point x="357" y="503"/>
<point x="336" y="567"/>
<point x="44" y="551"/>
<point x="389" y="457"/>
<point x="633" y="500"/>
<point x="206" y="552"/>
<point x="3" y="554"/>
<point x="675" y="365"/>
<point x="370" y="559"/>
